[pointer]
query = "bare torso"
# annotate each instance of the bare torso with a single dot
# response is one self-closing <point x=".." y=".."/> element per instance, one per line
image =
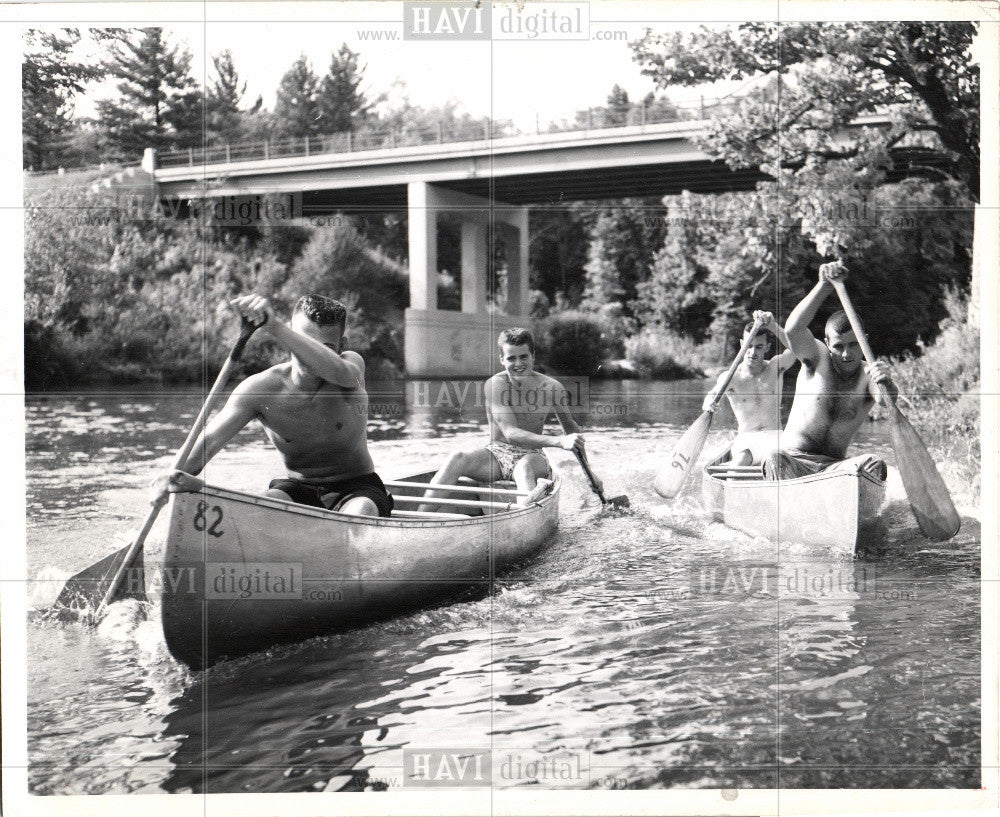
<point x="531" y="400"/>
<point x="828" y="410"/>
<point x="321" y="434"/>
<point x="756" y="399"/>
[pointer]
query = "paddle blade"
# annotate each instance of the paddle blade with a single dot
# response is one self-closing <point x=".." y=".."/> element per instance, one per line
<point x="928" y="495"/>
<point x="670" y="480"/>
<point x="86" y="590"/>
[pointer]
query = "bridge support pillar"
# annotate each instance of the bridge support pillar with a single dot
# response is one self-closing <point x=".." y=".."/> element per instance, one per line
<point x="448" y="343"/>
<point x="422" y="225"/>
<point x="473" y="267"/>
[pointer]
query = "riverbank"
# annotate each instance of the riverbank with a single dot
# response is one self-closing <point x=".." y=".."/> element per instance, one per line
<point x="940" y="393"/>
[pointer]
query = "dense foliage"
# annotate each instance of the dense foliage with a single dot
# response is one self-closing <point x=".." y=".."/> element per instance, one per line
<point x="113" y="294"/>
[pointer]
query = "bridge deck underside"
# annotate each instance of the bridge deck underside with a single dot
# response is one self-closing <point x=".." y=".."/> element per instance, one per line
<point x="551" y="188"/>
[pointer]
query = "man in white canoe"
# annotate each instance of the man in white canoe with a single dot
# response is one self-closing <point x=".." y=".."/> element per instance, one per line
<point x="755" y="393"/>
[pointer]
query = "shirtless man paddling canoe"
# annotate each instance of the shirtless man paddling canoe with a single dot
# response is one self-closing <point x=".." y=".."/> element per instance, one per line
<point x="518" y="402"/>
<point x="834" y="392"/>
<point x="314" y="408"/>
<point x="755" y="392"/>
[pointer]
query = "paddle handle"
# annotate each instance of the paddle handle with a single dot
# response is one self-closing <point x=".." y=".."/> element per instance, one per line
<point x="246" y="330"/>
<point x="859" y="333"/>
<point x="731" y="372"/>
<point x="582" y="459"/>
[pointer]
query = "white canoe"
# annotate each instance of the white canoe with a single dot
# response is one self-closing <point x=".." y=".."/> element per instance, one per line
<point x="837" y="508"/>
<point x="243" y="572"/>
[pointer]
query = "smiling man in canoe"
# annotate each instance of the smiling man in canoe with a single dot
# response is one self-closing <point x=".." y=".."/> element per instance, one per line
<point x="834" y="393"/>
<point x="755" y="392"/>
<point x="314" y="408"/>
<point x="518" y="402"/>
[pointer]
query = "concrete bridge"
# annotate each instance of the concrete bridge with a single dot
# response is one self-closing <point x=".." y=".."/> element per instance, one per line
<point x="486" y="185"/>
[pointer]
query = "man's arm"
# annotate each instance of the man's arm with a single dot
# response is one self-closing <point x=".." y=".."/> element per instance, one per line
<point x="563" y="414"/>
<point x="800" y="340"/>
<point x="707" y="403"/>
<point x="504" y="416"/>
<point x="785" y="360"/>
<point x="344" y="369"/>
<point x="768" y="322"/>
<point x="240" y="409"/>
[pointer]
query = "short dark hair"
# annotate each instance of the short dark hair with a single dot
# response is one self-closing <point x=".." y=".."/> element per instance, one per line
<point x="516" y="336"/>
<point x="750" y="325"/>
<point x="838" y="322"/>
<point x="322" y="311"/>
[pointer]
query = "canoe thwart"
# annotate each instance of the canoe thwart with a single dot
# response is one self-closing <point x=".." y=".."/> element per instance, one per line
<point x="426" y="515"/>
<point x="463" y="503"/>
<point x="458" y="488"/>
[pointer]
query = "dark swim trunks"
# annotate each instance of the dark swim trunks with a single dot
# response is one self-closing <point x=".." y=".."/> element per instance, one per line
<point x="333" y="495"/>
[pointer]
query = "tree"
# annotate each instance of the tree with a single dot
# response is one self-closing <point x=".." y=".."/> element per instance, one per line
<point x="622" y="243"/>
<point x="158" y="103"/>
<point x="416" y="122"/>
<point x="224" y="117"/>
<point x="558" y="250"/>
<point x="676" y="294"/>
<point x="921" y="70"/>
<point x="50" y="79"/>
<point x="296" y="109"/>
<point x="341" y="102"/>
<point x="799" y="124"/>
<point x="618" y="106"/>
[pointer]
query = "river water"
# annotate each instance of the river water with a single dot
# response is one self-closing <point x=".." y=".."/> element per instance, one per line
<point x="585" y="668"/>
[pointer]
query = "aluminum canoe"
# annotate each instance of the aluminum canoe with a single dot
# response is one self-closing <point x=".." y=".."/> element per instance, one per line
<point x="836" y="509"/>
<point x="243" y="572"/>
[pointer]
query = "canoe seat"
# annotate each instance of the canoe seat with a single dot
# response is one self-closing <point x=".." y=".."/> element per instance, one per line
<point x="500" y="483"/>
<point x="728" y="471"/>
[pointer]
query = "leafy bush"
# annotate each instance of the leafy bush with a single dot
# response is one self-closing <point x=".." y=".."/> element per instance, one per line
<point x="940" y="389"/>
<point x="663" y="354"/>
<point x="112" y="295"/>
<point x="571" y="343"/>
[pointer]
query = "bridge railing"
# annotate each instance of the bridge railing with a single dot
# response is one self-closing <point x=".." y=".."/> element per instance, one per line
<point x="364" y="139"/>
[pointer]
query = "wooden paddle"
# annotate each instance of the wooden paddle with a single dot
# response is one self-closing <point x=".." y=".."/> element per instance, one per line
<point x="928" y="495"/>
<point x="620" y="501"/>
<point x="101" y="583"/>
<point x="671" y="479"/>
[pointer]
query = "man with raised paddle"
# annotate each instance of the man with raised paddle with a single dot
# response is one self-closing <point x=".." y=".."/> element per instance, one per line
<point x="755" y="391"/>
<point x="518" y="402"/>
<point x="835" y="390"/>
<point x="314" y="408"/>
